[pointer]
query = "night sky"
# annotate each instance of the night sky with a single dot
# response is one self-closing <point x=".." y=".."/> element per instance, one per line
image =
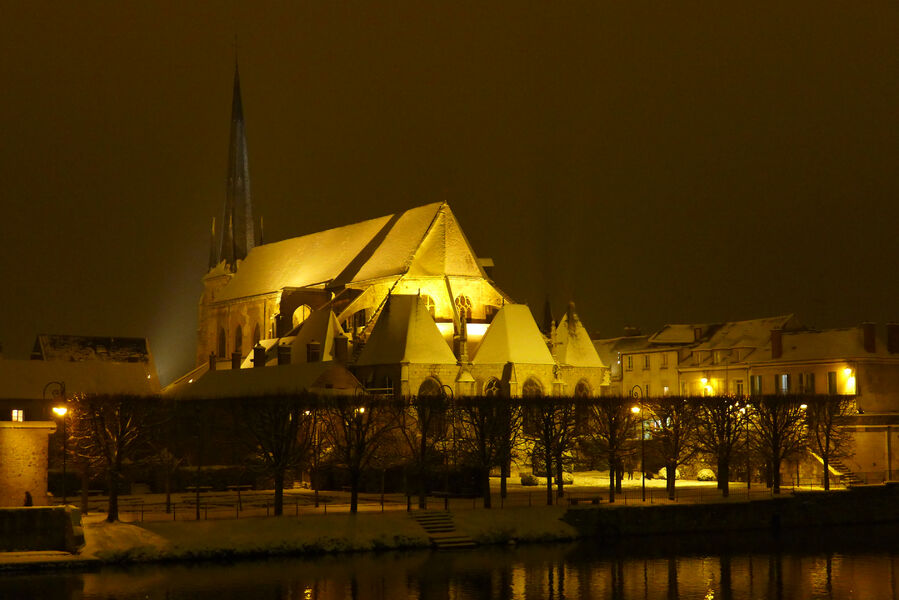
<point x="654" y="163"/>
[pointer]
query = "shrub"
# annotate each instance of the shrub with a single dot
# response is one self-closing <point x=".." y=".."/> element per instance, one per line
<point x="663" y="474"/>
<point x="529" y="479"/>
<point x="706" y="475"/>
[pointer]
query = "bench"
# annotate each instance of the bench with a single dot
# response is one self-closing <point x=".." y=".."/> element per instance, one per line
<point x="583" y="500"/>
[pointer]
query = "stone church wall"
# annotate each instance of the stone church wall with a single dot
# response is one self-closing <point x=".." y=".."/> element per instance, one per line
<point x="24" y="448"/>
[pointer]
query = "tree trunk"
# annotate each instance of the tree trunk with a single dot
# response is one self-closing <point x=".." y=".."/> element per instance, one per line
<point x="671" y="474"/>
<point x="775" y="475"/>
<point x="724" y="477"/>
<point x="613" y="461"/>
<point x="279" y="492"/>
<point x="168" y="492"/>
<point x="560" y="484"/>
<point x="619" y="475"/>
<point x="548" y="467"/>
<point x="504" y="470"/>
<point x="354" y="490"/>
<point x="826" y="473"/>
<point x="85" y="483"/>
<point x="422" y="473"/>
<point x="485" y="486"/>
<point x="112" y="514"/>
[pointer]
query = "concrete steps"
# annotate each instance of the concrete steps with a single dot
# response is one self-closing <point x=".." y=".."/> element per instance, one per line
<point x="848" y="477"/>
<point x="442" y="531"/>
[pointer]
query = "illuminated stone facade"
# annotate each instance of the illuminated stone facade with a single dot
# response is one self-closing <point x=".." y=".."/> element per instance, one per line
<point x="23" y="468"/>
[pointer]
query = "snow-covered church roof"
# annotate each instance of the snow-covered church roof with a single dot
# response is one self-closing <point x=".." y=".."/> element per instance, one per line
<point x="513" y="336"/>
<point x="573" y="345"/>
<point x="321" y="327"/>
<point x="425" y="240"/>
<point x="406" y="333"/>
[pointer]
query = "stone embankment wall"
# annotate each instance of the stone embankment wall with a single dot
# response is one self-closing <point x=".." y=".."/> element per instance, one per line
<point x="23" y="446"/>
<point x="870" y="504"/>
<point x="40" y="528"/>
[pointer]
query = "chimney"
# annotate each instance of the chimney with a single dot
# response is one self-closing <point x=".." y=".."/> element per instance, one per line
<point x="283" y="354"/>
<point x="892" y="338"/>
<point x="868" y="330"/>
<point x="212" y="361"/>
<point x="258" y="356"/>
<point x="313" y="351"/>
<point x="341" y="354"/>
<point x="777" y="346"/>
<point x="235" y="360"/>
<point x="697" y="334"/>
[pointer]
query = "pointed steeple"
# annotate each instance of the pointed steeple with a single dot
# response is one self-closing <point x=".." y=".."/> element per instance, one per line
<point x="213" y="255"/>
<point x="238" y="231"/>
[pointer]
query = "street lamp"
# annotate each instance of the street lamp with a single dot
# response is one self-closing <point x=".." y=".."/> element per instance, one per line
<point x="58" y="392"/>
<point x="637" y="393"/>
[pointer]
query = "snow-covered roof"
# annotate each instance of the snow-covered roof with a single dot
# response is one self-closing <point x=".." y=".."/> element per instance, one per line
<point x="845" y="343"/>
<point x="424" y="240"/>
<point x="321" y="326"/>
<point x="679" y="333"/>
<point x="573" y="345"/>
<point x="26" y="379"/>
<point x="406" y="333"/>
<point x="86" y="347"/>
<point x="318" y="377"/>
<point x="754" y="333"/>
<point x="513" y="336"/>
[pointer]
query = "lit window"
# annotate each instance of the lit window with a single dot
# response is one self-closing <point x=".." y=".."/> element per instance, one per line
<point x="463" y="304"/>
<point x="18" y="415"/>
<point x="429" y="304"/>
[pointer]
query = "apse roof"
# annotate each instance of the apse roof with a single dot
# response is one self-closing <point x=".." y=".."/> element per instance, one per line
<point x="405" y="333"/>
<point x="573" y="344"/>
<point x="424" y="240"/>
<point x="513" y="336"/>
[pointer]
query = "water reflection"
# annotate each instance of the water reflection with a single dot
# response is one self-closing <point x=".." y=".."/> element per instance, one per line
<point x="832" y="565"/>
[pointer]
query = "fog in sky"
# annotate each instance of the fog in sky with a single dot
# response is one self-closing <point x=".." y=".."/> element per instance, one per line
<point x="685" y="162"/>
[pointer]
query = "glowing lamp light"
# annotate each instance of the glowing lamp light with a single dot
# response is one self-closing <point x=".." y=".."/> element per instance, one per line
<point x="635" y="409"/>
<point x="60" y="410"/>
<point x="803" y="406"/>
<point x="847" y="372"/>
<point x="190" y="381"/>
<point x="704" y="381"/>
<point x="361" y="409"/>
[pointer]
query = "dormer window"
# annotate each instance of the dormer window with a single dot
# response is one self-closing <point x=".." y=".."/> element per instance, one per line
<point x="18" y="415"/>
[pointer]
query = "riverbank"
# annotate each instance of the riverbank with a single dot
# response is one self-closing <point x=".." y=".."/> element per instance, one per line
<point x="117" y="543"/>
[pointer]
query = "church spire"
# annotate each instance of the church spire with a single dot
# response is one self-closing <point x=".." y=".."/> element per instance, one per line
<point x="238" y="228"/>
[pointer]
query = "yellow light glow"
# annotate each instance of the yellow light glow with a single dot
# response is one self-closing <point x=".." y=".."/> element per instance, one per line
<point x="704" y="381"/>
<point x="60" y="410"/>
<point x="847" y="372"/>
<point x="190" y="381"/>
<point x="850" y="385"/>
<point x="635" y="409"/>
<point x="361" y="409"/>
<point x="803" y="406"/>
<point x="148" y="377"/>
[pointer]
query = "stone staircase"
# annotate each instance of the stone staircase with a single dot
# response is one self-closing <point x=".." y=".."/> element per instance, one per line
<point x="846" y="476"/>
<point x="442" y="531"/>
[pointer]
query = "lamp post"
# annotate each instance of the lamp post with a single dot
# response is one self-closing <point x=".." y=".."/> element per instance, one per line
<point x="58" y="392"/>
<point x="637" y="393"/>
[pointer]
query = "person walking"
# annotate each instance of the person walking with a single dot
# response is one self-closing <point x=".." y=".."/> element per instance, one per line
<point x="29" y="501"/>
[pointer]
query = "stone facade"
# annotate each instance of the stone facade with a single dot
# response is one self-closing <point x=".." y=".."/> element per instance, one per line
<point x="24" y="447"/>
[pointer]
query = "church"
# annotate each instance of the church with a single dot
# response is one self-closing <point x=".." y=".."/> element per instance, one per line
<point x="399" y="304"/>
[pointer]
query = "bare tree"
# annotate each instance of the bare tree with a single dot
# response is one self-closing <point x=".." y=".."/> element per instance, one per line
<point x="550" y="425"/>
<point x="674" y="432"/>
<point x="356" y="429"/>
<point x="780" y="431"/>
<point x="611" y="424"/>
<point x="423" y="427"/>
<point x="721" y="425"/>
<point x="281" y="433"/>
<point x="483" y="425"/>
<point x="112" y="431"/>
<point x="826" y="437"/>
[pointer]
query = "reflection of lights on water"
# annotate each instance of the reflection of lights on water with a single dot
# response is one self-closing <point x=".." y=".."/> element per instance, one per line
<point x="710" y="595"/>
<point x="307" y="593"/>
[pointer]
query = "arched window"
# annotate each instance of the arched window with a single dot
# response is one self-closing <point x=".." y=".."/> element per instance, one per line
<point x="256" y="335"/>
<point x="430" y="387"/>
<point x="463" y="305"/>
<point x="532" y="388"/>
<point x="582" y="389"/>
<point x="222" y="343"/>
<point x="301" y="314"/>
<point x="429" y="304"/>
<point x="238" y="340"/>
<point x="493" y="387"/>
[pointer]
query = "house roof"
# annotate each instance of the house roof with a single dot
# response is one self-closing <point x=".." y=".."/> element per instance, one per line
<point x="405" y="333"/>
<point x="753" y="333"/>
<point x="844" y="343"/>
<point x="573" y="345"/>
<point x="86" y="347"/>
<point x="513" y="337"/>
<point x="425" y="240"/>
<point x="27" y="379"/>
<point x="319" y="377"/>
<point x="321" y="326"/>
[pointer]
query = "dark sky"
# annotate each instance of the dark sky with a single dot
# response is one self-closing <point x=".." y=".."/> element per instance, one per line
<point x="676" y="163"/>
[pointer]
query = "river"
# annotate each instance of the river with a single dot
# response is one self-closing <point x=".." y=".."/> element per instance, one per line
<point x="838" y="563"/>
